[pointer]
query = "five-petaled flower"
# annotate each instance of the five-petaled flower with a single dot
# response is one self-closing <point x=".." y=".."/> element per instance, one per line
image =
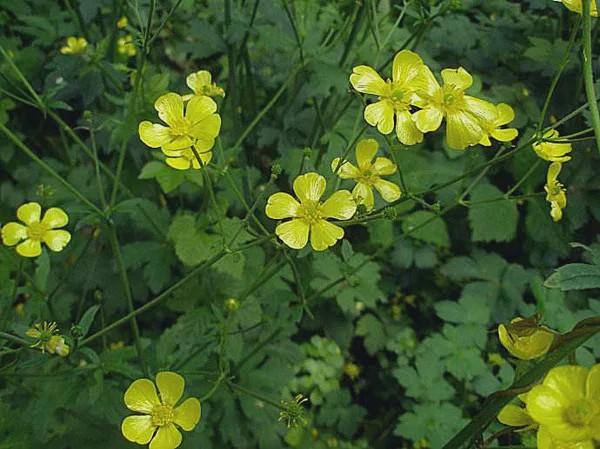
<point x="160" y="419"/>
<point x="467" y="117"/>
<point x="29" y="236"/>
<point x="368" y="174"/>
<point x="555" y="191"/>
<point x="74" y="46"/>
<point x="525" y="338"/>
<point x="495" y="129"/>
<point x="395" y="96"/>
<point x="552" y="150"/>
<point x="309" y="216"/>
<point x="190" y="132"/>
<point x="201" y="84"/>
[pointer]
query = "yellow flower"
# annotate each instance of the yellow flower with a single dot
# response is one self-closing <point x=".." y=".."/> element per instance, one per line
<point x="309" y="216"/>
<point x="466" y="117"/>
<point x="122" y="23"/>
<point x="495" y="130"/>
<point x="125" y="46"/>
<point x="352" y="370"/>
<point x="195" y="127"/>
<point x="545" y="441"/>
<point x="47" y="339"/>
<point x="201" y="83"/>
<point x="577" y="6"/>
<point x="525" y="338"/>
<point x="158" y="425"/>
<point x="515" y="416"/>
<point x="368" y="174"/>
<point x="555" y="192"/>
<point x="567" y="403"/>
<point x="75" y="46"/>
<point x="395" y="96"/>
<point x="553" y="151"/>
<point x="30" y="236"/>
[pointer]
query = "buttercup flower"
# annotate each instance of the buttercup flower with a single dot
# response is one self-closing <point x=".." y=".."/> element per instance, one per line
<point x="505" y="115"/>
<point x="525" y="338"/>
<point x="160" y="419"/>
<point x="368" y="174"/>
<point x="545" y="441"/>
<point x="201" y="83"/>
<point x="29" y="237"/>
<point x="567" y="403"/>
<point x="516" y="416"/>
<point x="122" y="23"/>
<point x="125" y="46"/>
<point x="555" y="191"/>
<point x="553" y="151"/>
<point x="195" y="126"/>
<point x="467" y="118"/>
<point x="309" y="216"/>
<point x="395" y="96"/>
<point x="75" y="46"/>
<point x="47" y="339"/>
<point x="577" y="6"/>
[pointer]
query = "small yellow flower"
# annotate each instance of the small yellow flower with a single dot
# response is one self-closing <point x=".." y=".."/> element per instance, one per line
<point x="122" y="23"/>
<point x="47" y="339"/>
<point x="75" y="46"/>
<point x="194" y="127"/>
<point x="201" y="84"/>
<point x="555" y="191"/>
<point x="309" y="216"/>
<point x="160" y="419"/>
<point x="525" y="338"/>
<point x="368" y="174"/>
<point x="577" y="6"/>
<point x="515" y="416"/>
<point x="567" y="403"/>
<point x="352" y="370"/>
<point x="506" y="114"/>
<point x="125" y="46"/>
<point x="553" y="151"/>
<point x="29" y="237"/>
<point x="395" y="96"/>
<point x="467" y="117"/>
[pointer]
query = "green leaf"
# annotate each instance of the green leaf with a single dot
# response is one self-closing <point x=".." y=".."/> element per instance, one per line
<point x="87" y="319"/>
<point x="168" y="178"/>
<point x="494" y="220"/>
<point x="373" y="332"/>
<point x="575" y="276"/>
<point x="428" y="227"/>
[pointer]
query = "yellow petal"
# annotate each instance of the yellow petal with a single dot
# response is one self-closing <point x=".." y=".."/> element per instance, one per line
<point x="207" y="129"/>
<point x="505" y="134"/>
<point x="482" y="110"/>
<point x="576" y="6"/>
<point x="281" y="205"/>
<point x="188" y="414"/>
<point x="592" y="386"/>
<point x="426" y="85"/>
<point x="196" y="81"/>
<point x="205" y="144"/>
<point x="383" y="167"/>
<point x="340" y="205"/>
<point x="380" y="114"/>
<point x="366" y="80"/>
<point x="428" y="119"/>
<point x="506" y="114"/>
<point x="33" y="333"/>
<point x="29" y="248"/>
<point x="153" y="134"/>
<point x="29" y="213"/>
<point x="514" y="416"/>
<point x="365" y="152"/>
<point x="170" y="386"/>
<point x="406" y="66"/>
<point x="56" y="239"/>
<point x="310" y="186"/>
<point x="293" y="233"/>
<point x="346" y="170"/>
<point x="406" y="129"/>
<point x="170" y="108"/>
<point x="555" y="211"/>
<point x="459" y="78"/>
<point x="178" y="163"/>
<point x="553" y="172"/>
<point x="388" y="190"/>
<point x="462" y="130"/>
<point x="363" y="194"/>
<point x="141" y="396"/>
<point x="13" y="233"/>
<point x="167" y="437"/>
<point x="138" y="429"/>
<point x="568" y="381"/>
<point x="544" y="439"/>
<point x="485" y="141"/>
<point x="205" y="157"/>
<point x="324" y="234"/>
<point x="179" y="143"/>
<point x="55" y="218"/>
<point x="199" y="108"/>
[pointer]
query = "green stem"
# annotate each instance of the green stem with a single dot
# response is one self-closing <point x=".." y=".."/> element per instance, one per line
<point x="23" y="79"/>
<point x="14" y="339"/>
<point x="251" y="393"/>
<point x="588" y="74"/>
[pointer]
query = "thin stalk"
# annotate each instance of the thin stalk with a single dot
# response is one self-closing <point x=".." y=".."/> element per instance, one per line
<point x="14" y="339"/>
<point x="23" y="79"/>
<point x="588" y="74"/>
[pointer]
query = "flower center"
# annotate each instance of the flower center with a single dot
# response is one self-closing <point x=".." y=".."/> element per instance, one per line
<point x="180" y="127"/>
<point x="162" y="415"/>
<point x="452" y="97"/>
<point x="398" y="96"/>
<point x="310" y="211"/>
<point x="36" y="231"/>
<point x="367" y="177"/>
<point x="582" y="412"/>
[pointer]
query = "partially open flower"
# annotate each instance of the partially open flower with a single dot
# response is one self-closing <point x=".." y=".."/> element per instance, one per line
<point x="525" y="338"/>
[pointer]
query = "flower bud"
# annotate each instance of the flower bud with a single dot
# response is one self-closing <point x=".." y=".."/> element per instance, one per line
<point x="525" y="338"/>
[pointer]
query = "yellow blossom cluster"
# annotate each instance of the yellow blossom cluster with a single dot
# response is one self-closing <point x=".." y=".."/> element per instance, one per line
<point x="414" y="103"/>
<point x="191" y="124"/>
